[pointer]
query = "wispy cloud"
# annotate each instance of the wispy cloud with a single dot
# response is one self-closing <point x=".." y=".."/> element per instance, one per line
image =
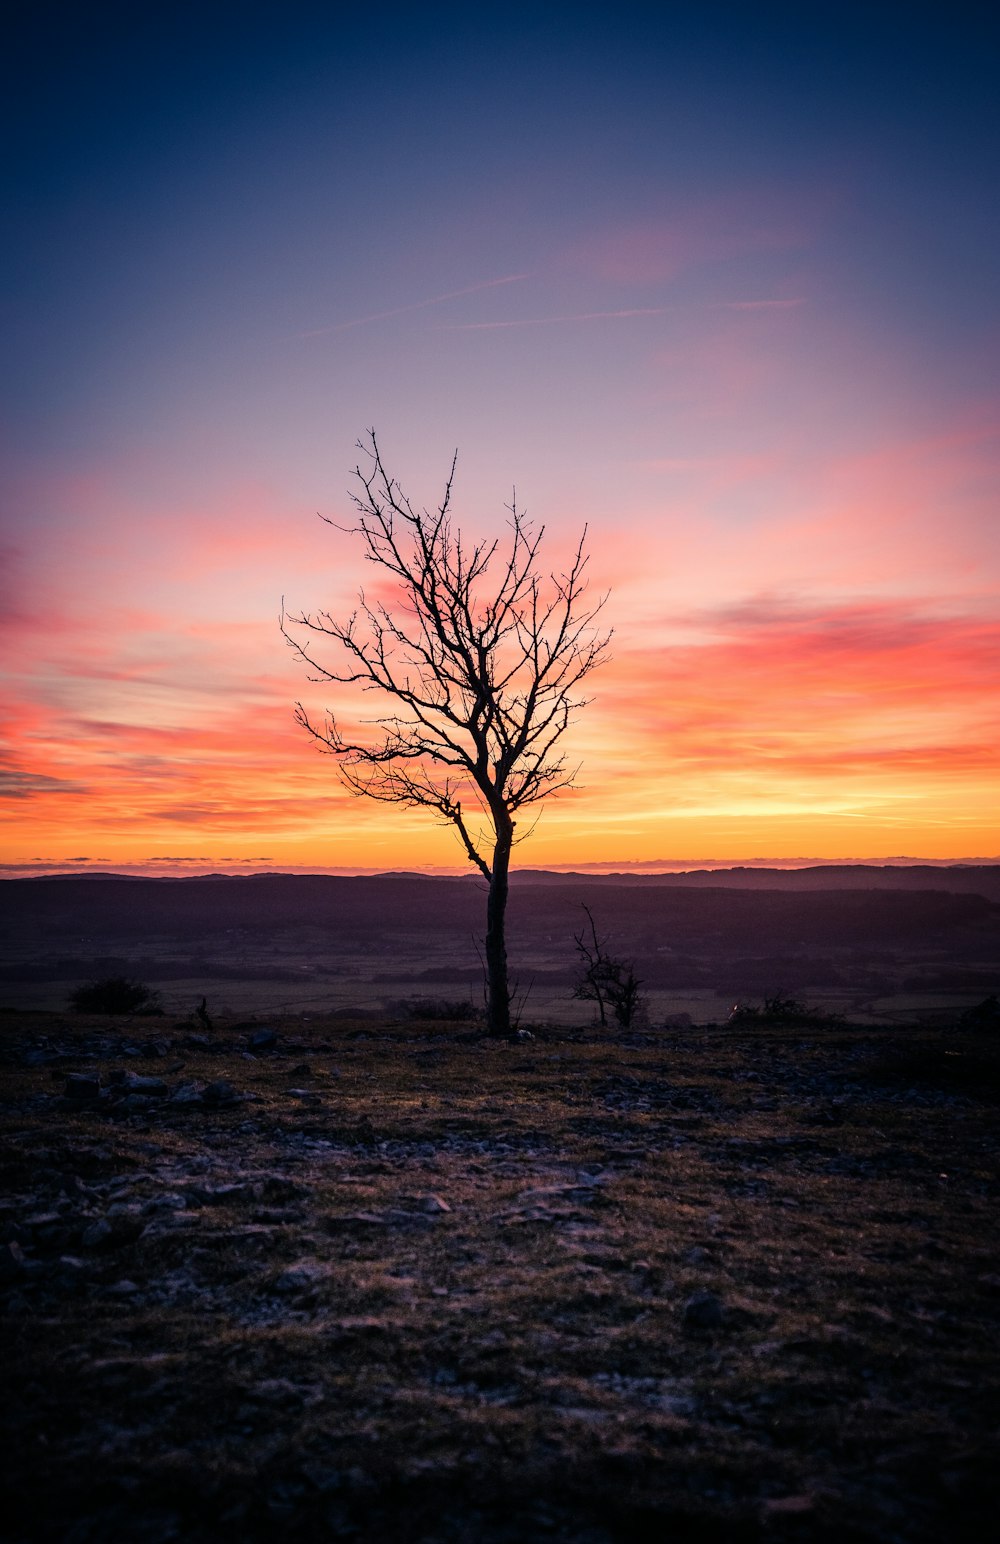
<point x="623" y="314"/>
<point x="416" y="305"/>
<point x="760" y="305"/>
<point x="25" y="785"/>
<point x="551" y="321"/>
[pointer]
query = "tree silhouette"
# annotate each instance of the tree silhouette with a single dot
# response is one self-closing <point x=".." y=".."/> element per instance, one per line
<point x="605" y="980"/>
<point x="485" y="678"/>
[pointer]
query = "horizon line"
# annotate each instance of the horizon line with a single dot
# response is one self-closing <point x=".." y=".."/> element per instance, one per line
<point x="204" y="868"/>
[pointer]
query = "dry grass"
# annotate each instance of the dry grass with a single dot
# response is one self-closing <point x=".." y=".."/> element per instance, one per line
<point x="439" y="1293"/>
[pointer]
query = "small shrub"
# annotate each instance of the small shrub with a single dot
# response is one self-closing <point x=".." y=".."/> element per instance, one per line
<point x="985" y="1015"/>
<point x="779" y="1010"/>
<point x="608" y="982"/>
<point x="451" y="1010"/>
<point x="115" y="994"/>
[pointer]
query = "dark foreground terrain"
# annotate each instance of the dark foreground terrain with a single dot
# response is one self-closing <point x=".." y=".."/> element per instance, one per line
<point x="393" y="1282"/>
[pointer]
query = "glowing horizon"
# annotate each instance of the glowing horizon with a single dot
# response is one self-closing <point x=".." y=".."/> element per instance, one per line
<point x="772" y="400"/>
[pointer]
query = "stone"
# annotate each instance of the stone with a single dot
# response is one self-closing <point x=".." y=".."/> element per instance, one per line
<point x="134" y="1104"/>
<point x="73" y="1185"/>
<point x="433" y="1205"/>
<point x="51" y="1230"/>
<point x="166" y="1201"/>
<point x="703" y="1311"/>
<point x="221" y="1093"/>
<point x="98" y="1235"/>
<point x="11" y="1260"/>
<point x="262" y="1039"/>
<point x="302" y="1276"/>
<point x="113" y="1232"/>
<point x="227" y="1193"/>
<point x="82" y="1089"/>
<point x="153" y="1088"/>
<point x="188" y="1093"/>
<point x="788" y="1506"/>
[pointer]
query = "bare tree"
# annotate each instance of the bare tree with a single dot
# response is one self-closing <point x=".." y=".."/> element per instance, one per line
<point x="605" y="980"/>
<point x="485" y="679"/>
<point x="592" y="986"/>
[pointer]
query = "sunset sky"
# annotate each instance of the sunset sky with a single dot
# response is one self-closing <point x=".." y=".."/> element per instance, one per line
<point x="722" y="286"/>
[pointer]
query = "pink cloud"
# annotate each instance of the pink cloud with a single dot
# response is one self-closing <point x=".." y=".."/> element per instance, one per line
<point x="655" y="251"/>
<point x="825" y="689"/>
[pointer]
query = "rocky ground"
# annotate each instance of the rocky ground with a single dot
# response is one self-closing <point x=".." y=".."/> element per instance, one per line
<point x="394" y="1282"/>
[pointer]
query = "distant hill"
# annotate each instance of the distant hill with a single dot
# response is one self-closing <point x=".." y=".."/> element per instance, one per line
<point x="862" y="929"/>
<point x="802" y="899"/>
<point x="979" y="879"/>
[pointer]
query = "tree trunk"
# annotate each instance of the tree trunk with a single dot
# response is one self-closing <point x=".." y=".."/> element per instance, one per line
<point x="497" y="987"/>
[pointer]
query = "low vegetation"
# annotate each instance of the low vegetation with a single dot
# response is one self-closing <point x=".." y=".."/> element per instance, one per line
<point x="605" y="980"/>
<point x="388" y="1280"/>
<point x="447" y="1010"/>
<point x="114" y="994"/>
<point x="781" y="1011"/>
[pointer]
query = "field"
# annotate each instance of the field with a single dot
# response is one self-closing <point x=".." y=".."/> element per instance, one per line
<point x="283" y="944"/>
<point x="381" y="1279"/>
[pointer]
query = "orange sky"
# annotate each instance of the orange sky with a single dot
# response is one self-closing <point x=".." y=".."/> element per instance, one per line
<point x="797" y="689"/>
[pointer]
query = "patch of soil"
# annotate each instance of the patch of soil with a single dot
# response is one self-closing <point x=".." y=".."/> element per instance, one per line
<point x="393" y="1282"/>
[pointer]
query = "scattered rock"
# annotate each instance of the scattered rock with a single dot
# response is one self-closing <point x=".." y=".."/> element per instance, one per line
<point x="82" y="1089"/>
<point x="11" y="1260"/>
<point x="135" y="1083"/>
<point x="226" y="1193"/>
<point x="98" y="1235"/>
<point x="188" y="1093"/>
<point x="303" y="1275"/>
<point x="262" y="1040"/>
<point x="433" y="1205"/>
<point x="220" y="1094"/>
<point x="544" y="1195"/>
<point x="788" y="1506"/>
<point x="113" y="1232"/>
<point x="134" y="1104"/>
<point x="166" y="1201"/>
<point x="703" y="1311"/>
<point x="336" y="1222"/>
<point x="123" y="1288"/>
